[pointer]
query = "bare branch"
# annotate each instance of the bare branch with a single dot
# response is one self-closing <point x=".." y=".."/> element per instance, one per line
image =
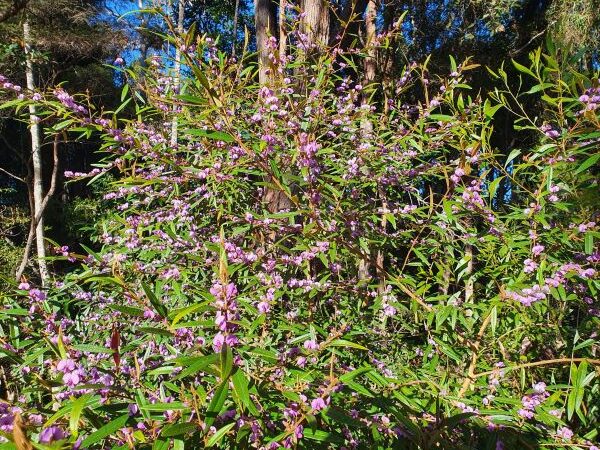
<point x="12" y="175"/>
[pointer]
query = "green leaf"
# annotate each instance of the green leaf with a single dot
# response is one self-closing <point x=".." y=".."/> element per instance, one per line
<point x="240" y="389"/>
<point x="539" y="87"/>
<point x="578" y="380"/>
<point x="448" y="350"/>
<point x="216" y="404"/>
<point x="162" y="407"/>
<point x="588" y="163"/>
<point x="105" y="431"/>
<point x="92" y="348"/>
<point x="490" y="110"/>
<point x="127" y="310"/>
<point x="522" y="68"/>
<point x="441" y="117"/>
<point x="226" y="361"/>
<point x="199" y="364"/>
<point x="512" y="156"/>
<point x="322" y="436"/>
<point x="589" y="243"/>
<point x="78" y="406"/>
<point x="160" y="444"/>
<point x="154" y="330"/>
<point x="494" y="186"/>
<point x="220" y="434"/>
<point x="345" y="343"/>
<point x="158" y="306"/>
<point x="124" y="91"/>
<point x="214" y="135"/>
<point x="342" y="417"/>
<point x="178" y="429"/>
<point x="353" y="374"/>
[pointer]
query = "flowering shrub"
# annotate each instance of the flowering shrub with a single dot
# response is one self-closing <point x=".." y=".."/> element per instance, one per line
<point x="307" y="268"/>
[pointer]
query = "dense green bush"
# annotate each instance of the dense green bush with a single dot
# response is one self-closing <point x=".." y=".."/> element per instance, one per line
<point x="307" y="268"/>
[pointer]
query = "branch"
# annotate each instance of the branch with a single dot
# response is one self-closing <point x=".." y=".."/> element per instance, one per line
<point x="474" y="356"/>
<point x="14" y="9"/>
<point x="547" y="362"/>
<point x="516" y="52"/>
<point x="40" y="213"/>
<point x="12" y="175"/>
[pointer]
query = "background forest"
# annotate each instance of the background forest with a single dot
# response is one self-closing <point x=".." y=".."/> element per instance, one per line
<point x="315" y="224"/>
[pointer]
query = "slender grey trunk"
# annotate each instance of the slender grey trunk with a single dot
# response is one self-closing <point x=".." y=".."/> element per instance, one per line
<point x="235" y="26"/>
<point x="367" y="130"/>
<point x="36" y="157"/>
<point x="177" y="77"/>
<point x="282" y="29"/>
<point x="469" y="274"/>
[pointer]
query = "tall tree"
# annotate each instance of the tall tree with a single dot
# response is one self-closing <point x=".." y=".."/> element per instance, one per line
<point x="36" y="157"/>
<point x="177" y="78"/>
<point x="45" y="42"/>
<point x="315" y="23"/>
<point x="265" y="23"/>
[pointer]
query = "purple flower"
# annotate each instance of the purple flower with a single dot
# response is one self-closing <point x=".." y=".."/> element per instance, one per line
<point x="71" y="378"/>
<point x="51" y="434"/>
<point x="530" y="266"/>
<point x="318" y="404"/>
<point x="537" y="249"/>
<point x="65" y="365"/>
<point x="311" y="344"/>
<point x="526" y="413"/>
<point x="264" y="307"/>
<point x="539" y="388"/>
<point x="564" y="432"/>
<point x="218" y="341"/>
<point x="133" y="409"/>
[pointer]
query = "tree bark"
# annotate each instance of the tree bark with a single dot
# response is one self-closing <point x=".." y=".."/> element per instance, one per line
<point x="315" y="23"/>
<point x="177" y="77"/>
<point x="236" y="14"/>
<point x="282" y="29"/>
<point x="469" y="274"/>
<point x="36" y="156"/>
<point x="264" y="19"/>
<point x="367" y="129"/>
<point x="371" y="32"/>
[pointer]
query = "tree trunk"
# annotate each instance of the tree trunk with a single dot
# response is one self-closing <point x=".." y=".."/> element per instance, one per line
<point x="315" y="23"/>
<point x="371" y="32"/>
<point x="366" y="129"/>
<point x="282" y="29"/>
<point x="469" y="274"/>
<point x="36" y="157"/>
<point x="236" y="14"/>
<point x="264" y="19"/>
<point x="177" y="77"/>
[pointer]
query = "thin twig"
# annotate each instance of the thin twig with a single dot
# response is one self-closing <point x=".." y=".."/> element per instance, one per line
<point x="12" y="175"/>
